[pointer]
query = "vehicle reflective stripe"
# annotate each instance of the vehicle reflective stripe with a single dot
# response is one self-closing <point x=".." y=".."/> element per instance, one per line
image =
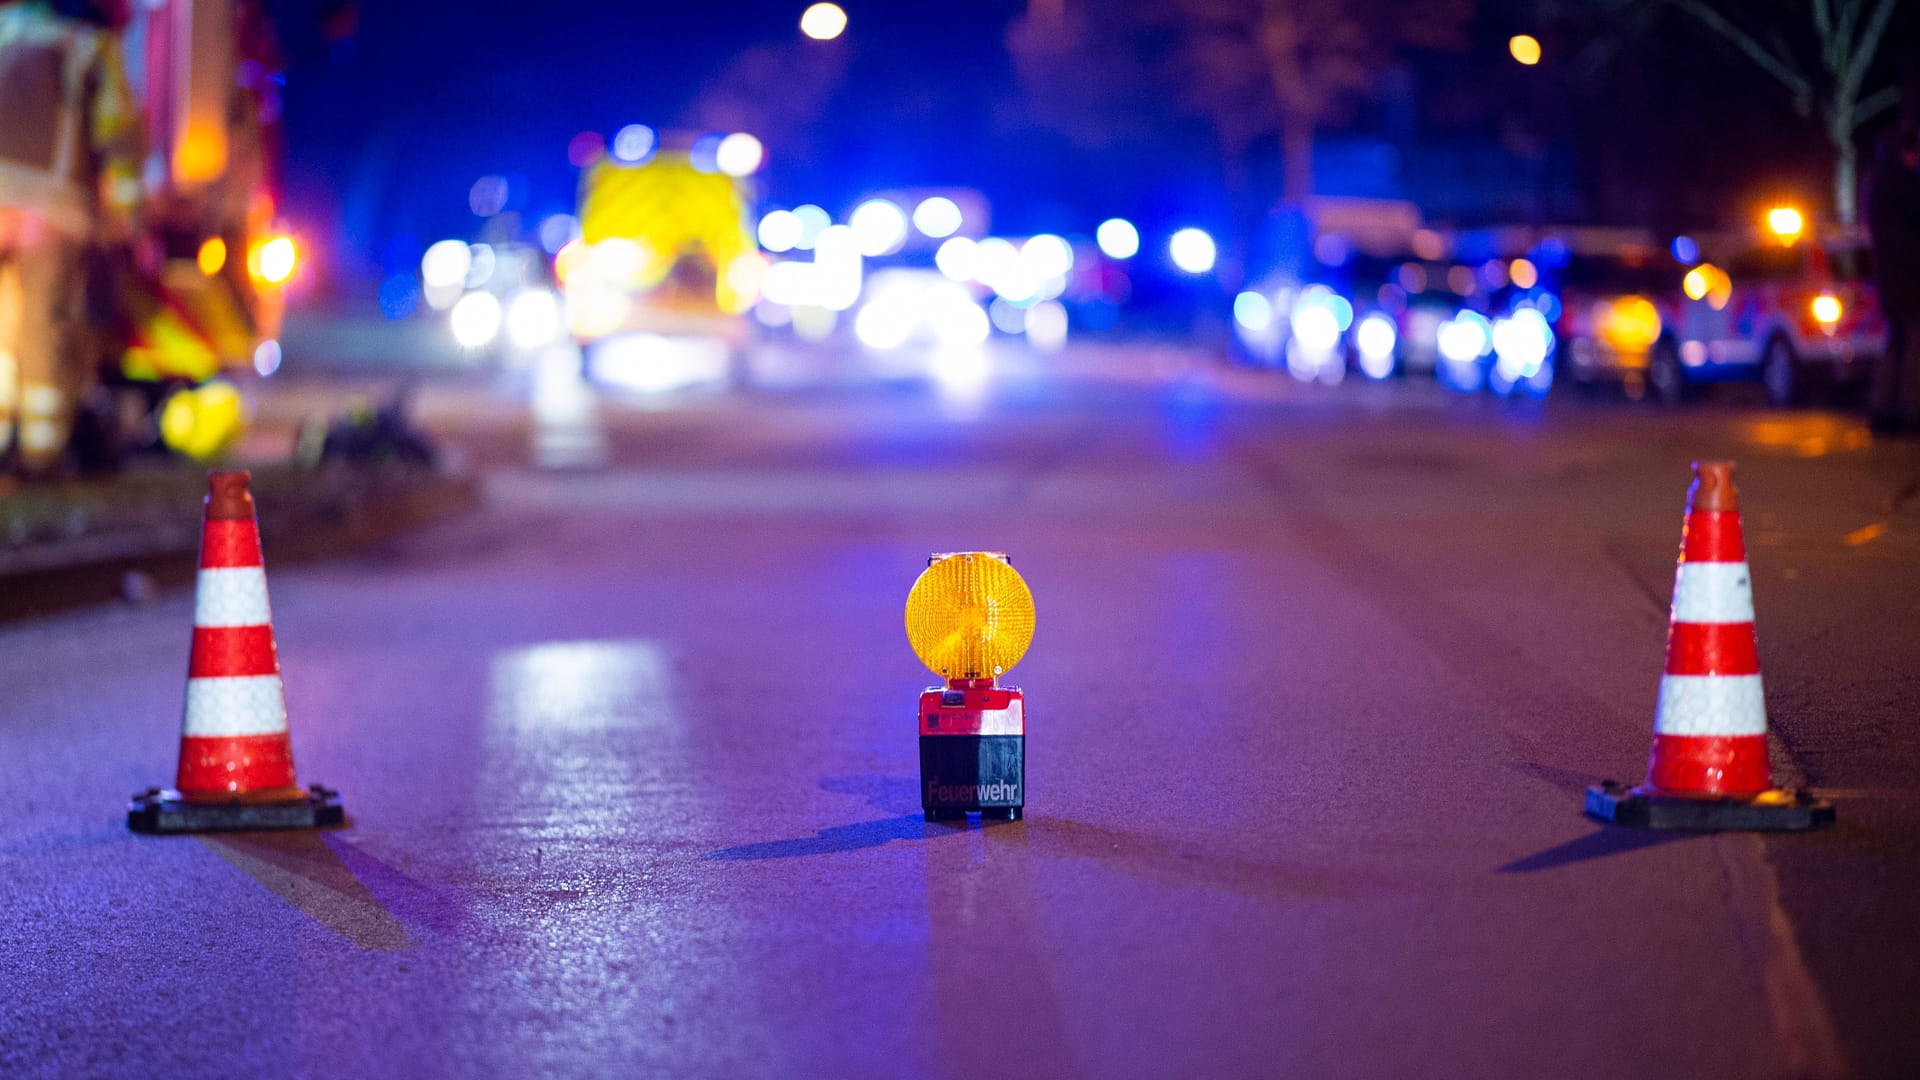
<point x="39" y="399"/>
<point x="38" y="434"/>
<point x="1713" y="592"/>
<point x="232" y="543"/>
<point x="231" y="596"/>
<point x="217" y="708"/>
<point x="1710" y="705"/>
<point x="1711" y="649"/>
<point x="1712" y="536"/>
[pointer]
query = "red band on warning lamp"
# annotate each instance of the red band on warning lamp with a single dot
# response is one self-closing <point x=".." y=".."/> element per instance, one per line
<point x="1710" y="765"/>
<point x="228" y="651"/>
<point x="236" y="764"/>
<point x="999" y="711"/>
<point x="1711" y="649"/>
<point x="1712" y="536"/>
<point x="229" y="543"/>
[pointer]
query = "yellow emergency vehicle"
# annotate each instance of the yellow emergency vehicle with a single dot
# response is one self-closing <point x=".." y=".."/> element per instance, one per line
<point x="665" y="248"/>
<point x="204" y="74"/>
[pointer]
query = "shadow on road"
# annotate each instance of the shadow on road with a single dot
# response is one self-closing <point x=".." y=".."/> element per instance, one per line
<point x="883" y="792"/>
<point x="1137" y="854"/>
<point x="1608" y="840"/>
<point x="863" y="834"/>
<point x="303" y="870"/>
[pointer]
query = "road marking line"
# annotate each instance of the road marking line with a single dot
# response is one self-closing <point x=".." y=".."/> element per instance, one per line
<point x="1795" y="1009"/>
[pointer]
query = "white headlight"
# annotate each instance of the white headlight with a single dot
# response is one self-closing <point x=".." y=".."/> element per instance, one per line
<point x="1375" y="337"/>
<point x="475" y="320"/>
<point x="1465" y="337"/>
<point x="533" y="319"/>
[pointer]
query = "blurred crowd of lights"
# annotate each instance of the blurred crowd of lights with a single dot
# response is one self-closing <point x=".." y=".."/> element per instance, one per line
<point x="1374" y="340"/>
<point x="918" y="309"/>
<point x="937" y="217"/>
<point x="475" y="319"/>
<point x="879" y="227"/>
<point x="1318" y="319"/>
<point x="1253" y="312"/>
<point x="634" y="143"/>
<point x="1117" y="238"/>
<point x="488" y="196"/>
<point x="780" y="231"/>
<point x="739" y="154"/>
<point x="533" y="319"/>
<point x="1192" y="250"/>
<point x="585" y="148"/>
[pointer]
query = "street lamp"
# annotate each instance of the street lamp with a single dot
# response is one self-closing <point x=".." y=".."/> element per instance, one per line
<point x="1786" y="223"/>
<point x="823" y="22"/>
<point x="1525" y="48"/>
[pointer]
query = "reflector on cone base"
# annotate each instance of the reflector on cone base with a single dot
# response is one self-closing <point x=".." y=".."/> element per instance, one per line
<point x="1779" y="810"/>
<point x="164" y="811"/>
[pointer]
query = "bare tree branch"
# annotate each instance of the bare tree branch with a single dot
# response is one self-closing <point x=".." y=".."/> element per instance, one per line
<point x="1772" y="64"/>
<point x="1869" y="44"/>
<point x="1874" y="104"/>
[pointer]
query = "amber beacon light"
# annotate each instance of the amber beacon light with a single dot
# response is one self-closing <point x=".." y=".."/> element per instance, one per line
<point x="970" y="620"/>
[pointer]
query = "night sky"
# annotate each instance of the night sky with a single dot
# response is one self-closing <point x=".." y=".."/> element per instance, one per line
<point x="389" y="126"/>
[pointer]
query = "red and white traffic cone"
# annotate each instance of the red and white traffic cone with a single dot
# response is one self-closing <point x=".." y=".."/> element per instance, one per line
<point x="236" y="754"/>
<point x="1709" y="767"/>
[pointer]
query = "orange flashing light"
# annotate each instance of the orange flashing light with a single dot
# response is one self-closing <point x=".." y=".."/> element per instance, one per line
<point x="1786" y="223"/>
<point x="213" y="256"/>
<point x="274" y="261"/>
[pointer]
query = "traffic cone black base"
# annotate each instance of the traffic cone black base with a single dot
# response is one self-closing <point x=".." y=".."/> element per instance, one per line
<point x="1779" y="810"/>
<point x="159" y="810"/>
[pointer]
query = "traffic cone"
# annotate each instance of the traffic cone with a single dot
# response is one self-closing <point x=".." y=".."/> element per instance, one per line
<point x="1709" y="767"/>
<point x="236" y="756"/>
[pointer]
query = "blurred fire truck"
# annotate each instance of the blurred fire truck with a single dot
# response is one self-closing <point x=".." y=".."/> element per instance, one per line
<point x="665" y="266"/>
<point x="210" y="295"/>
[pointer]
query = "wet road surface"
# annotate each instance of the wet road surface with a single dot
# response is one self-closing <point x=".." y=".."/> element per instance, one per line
<point x="1319" y="676"/>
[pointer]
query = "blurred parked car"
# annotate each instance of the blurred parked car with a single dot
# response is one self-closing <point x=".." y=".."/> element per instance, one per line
<point x="1613" y="309"/>
<point x="1788" y="315"/>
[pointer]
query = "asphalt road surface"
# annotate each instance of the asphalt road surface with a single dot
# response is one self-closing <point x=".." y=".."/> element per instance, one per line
<point x="1319" y="678"/>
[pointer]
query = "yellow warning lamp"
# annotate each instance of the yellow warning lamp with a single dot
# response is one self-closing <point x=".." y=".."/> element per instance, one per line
<point x="970" y="619"/>
<point x="970" y="615"/>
